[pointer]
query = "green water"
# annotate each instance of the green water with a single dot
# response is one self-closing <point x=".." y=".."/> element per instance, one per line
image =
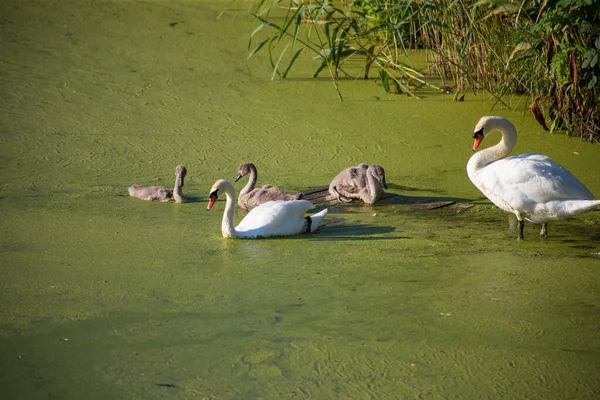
<point x="105" y="296"/>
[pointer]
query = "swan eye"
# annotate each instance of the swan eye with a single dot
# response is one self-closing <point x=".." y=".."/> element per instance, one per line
<point x="478" y="133"/>
<point x="214" y="194"/>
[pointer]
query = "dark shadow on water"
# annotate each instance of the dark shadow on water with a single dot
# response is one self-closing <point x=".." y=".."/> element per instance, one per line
<point x="401" y="199"/>
<point x="354" y="232"/>
<point x="413" y="189"/>
<point x="419" y="199"/>
<point x="193" y="199"/>
<point x="188" y="199"/>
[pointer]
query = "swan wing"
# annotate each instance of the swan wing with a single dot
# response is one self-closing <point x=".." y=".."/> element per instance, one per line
<point x="532" y="178"/>
<point x="261" y="195"/>
<point x="267" y="193"/>
<point x="152" y="193"/>
<point x="277" y="217"/>
<point x="350" y="181"/>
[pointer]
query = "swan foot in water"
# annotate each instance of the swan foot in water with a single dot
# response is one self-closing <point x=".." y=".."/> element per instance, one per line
<point x="544" y="231"/>
<point x="521" y="224"/>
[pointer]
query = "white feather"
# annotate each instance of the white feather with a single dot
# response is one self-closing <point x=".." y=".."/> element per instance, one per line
<point x="531" y="186"/>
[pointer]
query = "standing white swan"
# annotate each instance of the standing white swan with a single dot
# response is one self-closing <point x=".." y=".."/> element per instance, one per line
<point x="531" y="186"/>
<point x="273" y="218"/>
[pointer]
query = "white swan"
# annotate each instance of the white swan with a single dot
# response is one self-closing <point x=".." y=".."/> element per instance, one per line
<point x="360" y="182"/>
<point x="159" y="193"/>
<point x="531" y="186"/>
<point x="273" y="218"/>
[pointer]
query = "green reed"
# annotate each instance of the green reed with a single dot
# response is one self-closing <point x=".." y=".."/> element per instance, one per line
<point x="346" y="40"/>
<point x="547" y="50"/>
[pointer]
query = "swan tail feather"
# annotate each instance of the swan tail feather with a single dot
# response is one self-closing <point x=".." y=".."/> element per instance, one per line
<point x="313" y="221"/>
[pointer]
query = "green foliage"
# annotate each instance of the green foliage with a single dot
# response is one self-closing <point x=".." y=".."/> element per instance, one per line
<point x="546" y="49"/>
<point x="365" y="33"/>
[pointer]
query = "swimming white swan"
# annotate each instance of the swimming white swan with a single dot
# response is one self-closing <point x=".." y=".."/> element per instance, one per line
<point x="251" y="196"/>
<point x="273" y="218"/>
<point x="531" y="186"/>
<point x="159" y="193"/>
<point x="360" y="182"/>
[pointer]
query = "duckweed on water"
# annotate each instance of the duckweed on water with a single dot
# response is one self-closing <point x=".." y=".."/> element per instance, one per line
<point x="105" y="296"/>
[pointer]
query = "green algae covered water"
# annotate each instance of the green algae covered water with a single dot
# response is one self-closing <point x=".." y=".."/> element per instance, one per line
<point x="105" y="296"/>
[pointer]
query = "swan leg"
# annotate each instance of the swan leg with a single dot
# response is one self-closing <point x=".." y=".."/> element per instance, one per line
<point x="308" y="223"/>
<point x="344" y="199"/>
<point x="544" y="231"/>
<point x="341" y="198"/>
<point x="521" y="224"/>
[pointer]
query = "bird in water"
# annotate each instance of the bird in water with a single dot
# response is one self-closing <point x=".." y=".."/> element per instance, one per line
<point x="162" y="194"/>
<point x="251" y="196"/>
<point x="362" y="182"/>
<point x="273" y="218"/>
<point x="531" y="186"/>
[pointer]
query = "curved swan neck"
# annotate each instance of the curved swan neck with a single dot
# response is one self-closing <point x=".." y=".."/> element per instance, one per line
<point x="227" y="227"/>
<point x="372" y="184"/>
<point x="500" y="150"/>
<point x="251" y="181"/>
<point x="178" y="189"/>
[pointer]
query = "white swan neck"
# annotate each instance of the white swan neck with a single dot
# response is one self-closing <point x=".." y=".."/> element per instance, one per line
<point x="502" y="149"/>
<point x="227" y="227"/>
<point x="372" y="185"/>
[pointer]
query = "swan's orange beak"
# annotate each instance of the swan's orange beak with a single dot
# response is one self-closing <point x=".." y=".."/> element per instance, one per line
<point x="478" y="139"/>
<point x="211" y="202"/>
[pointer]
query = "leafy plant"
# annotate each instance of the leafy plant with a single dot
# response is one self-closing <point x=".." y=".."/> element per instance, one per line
<point x="338" y="37"/>
<point x="548" y="50"/>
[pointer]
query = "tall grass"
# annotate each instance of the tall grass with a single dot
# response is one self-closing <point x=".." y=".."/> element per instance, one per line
<point x="340" y="37"/>
<point x="545" y="49"/>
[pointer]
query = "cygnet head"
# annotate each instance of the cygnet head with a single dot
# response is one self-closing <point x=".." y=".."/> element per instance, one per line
<point x="243" y="170"/>
<point x="379" y="173"/>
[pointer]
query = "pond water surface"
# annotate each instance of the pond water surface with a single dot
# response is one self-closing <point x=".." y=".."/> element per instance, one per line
<point x="106" y="296"/>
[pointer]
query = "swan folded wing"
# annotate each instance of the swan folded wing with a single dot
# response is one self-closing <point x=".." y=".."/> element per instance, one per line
<point x="527" y="182"/>
<point x="540" y="179"/>
<point x="277" y="217"/>
<point x="350" y="188"/>
<point x="353" y="183"/>
<point x="261" y="195"/>
<point x="265" y="192"/>
<point x="249" y="200"/>
<point x="151" y="193"/>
